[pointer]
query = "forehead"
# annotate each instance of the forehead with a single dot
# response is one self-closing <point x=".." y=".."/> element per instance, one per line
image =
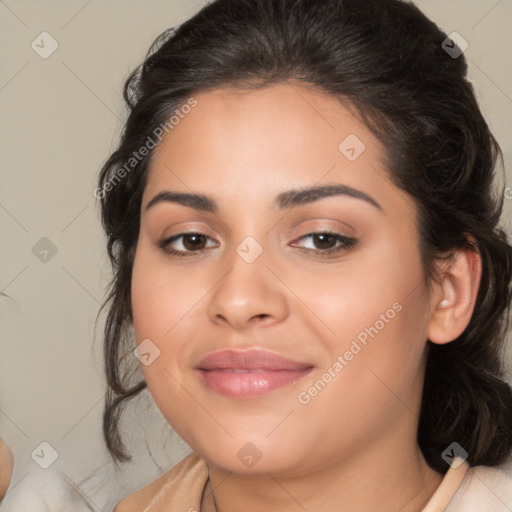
<point x="258" y="142"/>
<point x="284" y="116"/>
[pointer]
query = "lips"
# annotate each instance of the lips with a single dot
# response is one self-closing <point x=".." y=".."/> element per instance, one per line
<point x="250" y="373"/>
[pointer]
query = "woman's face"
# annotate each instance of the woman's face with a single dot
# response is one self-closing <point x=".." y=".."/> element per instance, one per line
<point x="265" y="346"/>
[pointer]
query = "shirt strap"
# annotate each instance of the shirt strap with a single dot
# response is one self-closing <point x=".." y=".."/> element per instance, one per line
<point x="448" y="487"/>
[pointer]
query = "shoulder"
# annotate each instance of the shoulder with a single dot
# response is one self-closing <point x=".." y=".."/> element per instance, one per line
<point x="184" y="481"/>
<point x="485" y="489"/>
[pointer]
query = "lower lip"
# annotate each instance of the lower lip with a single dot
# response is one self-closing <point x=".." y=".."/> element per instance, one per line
<point x="250" y="384"/>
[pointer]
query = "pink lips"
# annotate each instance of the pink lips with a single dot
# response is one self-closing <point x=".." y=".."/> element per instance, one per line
<point x="250" y="373"/>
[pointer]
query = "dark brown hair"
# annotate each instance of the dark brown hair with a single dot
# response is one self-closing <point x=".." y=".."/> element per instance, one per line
<point x="386" y="60"/>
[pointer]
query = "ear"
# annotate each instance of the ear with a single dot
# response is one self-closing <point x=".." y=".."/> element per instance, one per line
<point x="454" y="296"/>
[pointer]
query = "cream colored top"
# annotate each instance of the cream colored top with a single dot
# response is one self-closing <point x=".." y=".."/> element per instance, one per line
<point x="182" y="487"/>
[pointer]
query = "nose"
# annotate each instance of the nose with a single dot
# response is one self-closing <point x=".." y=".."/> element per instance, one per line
<point x="248" y="295"/>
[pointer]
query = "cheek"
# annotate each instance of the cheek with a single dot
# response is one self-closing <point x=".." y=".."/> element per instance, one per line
<point x="374" y="292"/>
<point x="164" y="305"/>
<point x="163" y="296"/>
<point x="372" y="377"/>
<point x="376" y="311"/>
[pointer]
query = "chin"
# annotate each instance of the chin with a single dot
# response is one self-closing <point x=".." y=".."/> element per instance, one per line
<point x="251" y="455"/>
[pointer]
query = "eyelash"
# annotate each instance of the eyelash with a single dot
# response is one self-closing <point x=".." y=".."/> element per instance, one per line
<point x="346" y="243"/>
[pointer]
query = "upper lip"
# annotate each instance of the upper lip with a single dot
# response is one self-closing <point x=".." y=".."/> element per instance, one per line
<point x="253" y="359"/>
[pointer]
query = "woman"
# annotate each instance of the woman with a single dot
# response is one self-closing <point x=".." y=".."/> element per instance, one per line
<point x="305" y="242"/>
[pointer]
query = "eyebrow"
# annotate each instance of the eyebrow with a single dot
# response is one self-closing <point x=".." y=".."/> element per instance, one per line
<point x="287" y="199"/>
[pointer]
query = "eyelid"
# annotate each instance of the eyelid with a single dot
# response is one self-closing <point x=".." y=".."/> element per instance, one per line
<point x="324" y="225"/>
<point x="342" y="243"/>
<point x="184" y="228"/>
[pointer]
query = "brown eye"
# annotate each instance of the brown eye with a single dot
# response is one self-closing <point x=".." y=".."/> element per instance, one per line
<point x="324" y="240"/>
<point x="325" y="243"/>
<point x="185" y="244"/>
<point x="194" y="242"/>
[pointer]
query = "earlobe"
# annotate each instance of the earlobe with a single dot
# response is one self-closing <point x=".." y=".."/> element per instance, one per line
<point x="456" y="295"/>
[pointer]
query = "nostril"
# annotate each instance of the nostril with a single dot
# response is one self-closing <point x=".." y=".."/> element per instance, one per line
<point x="261" y="316"/>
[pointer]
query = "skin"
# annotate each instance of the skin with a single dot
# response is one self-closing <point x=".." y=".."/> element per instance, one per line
<point x="353" y="446"/>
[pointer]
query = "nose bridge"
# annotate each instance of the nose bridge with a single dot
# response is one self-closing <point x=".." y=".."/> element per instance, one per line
<point x="248" y="290"/>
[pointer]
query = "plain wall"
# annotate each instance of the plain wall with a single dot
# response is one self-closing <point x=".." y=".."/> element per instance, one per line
<point x="60" y="119"/>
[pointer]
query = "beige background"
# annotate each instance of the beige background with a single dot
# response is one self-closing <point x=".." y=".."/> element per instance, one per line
<point x="60" y="119"/>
